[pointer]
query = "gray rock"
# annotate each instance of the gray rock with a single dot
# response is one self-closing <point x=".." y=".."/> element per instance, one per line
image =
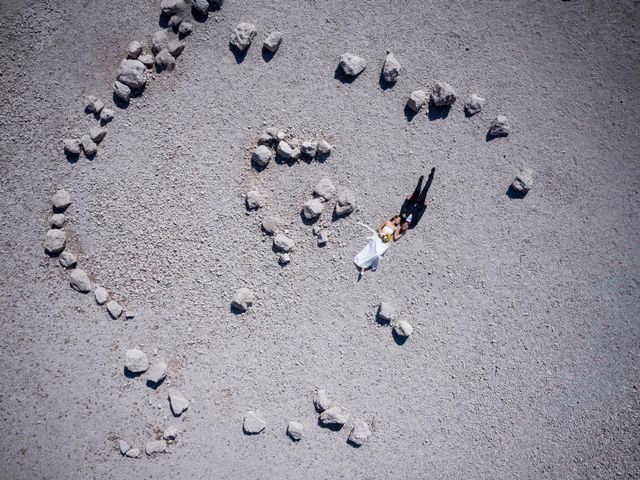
<point x="136" y="361"/>
<point x="322" y="401"/>
<point x="122" y="91"/>
<point x="178" y="402"/>
<point x="171" y="7"/>
<point x="351" y="64"/>
<point x="345" y="204"/>
<point x="133" y="453"/>
<point x="280" y="135"/>
<point x="282" y="243"/>
<point x="271" y="225"/>
<point x="253" y="199"/>
<point x="155" y="446"/>
<point x="262" y="155"/>
<point x="57" y="220"/>
<point x="273" y="41"/>
<point x="147" y="59"/>
<point x="284" y="259"/>
<point x="175" y="47"/>
<point x="287" y="152"/>
<point x="323" y="238"/>
<point x="473" y="104"/>
<point x="101" y="295"/>
<point x="55" y="241"/>
<point x="243" y="35"/>
<point x="61" y="199"/>
<point x="500" y="127"/>
<point x="131" y="73"/>
<point x="174" y="22"/>
<point x="324" y="148"/>
<point x="295" y="430"/>
<point x="325" y="189"/>
<point x="170" y="432"/>
<point x="386" y="312"/>
<point x="123" y="446"/>
<point x="312" y="209"/>
<point x="391" y="68"/>
<point x="443" y="94"/>
<point x="201" y="7"/>
<point x="416" y="100"/>
<point x="97" y="134"/>
<point x="253" y="424"/>
<point x="80" y="281"/>
<point x="88" y="146"/>
<point x="185" y="29"/>
<point x="309" y="148"/>
<point x="134" y="49"/>
<point x="334" y="415"/>
<point x="523" y="181"/>
<point x="360" y="433"/>
<point x="243" y="299"/>
<point x="129" y="315"/>
<point x="159" y="41"/>
<point x="106" y="115"/>
<point x="403" y="328"/>
<point x="114" y="309"/>
<point x="265" y="139"/>
<point x="93" y="105"/>
<point x="68" y="260"/>
<point x="72" y="146"/>
<point x="165" y="61"/>
<point x="157" y="372"/>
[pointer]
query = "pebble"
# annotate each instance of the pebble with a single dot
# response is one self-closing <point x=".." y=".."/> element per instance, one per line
<point x="324" y="148"/>
<point x="72" y="146"/>
<point x="273" y="41"/>
<point x="270" y="225"/>
<point x="165" y="61"/>
<point x="178" y="402"/>
<point x="122" y="91"/>
<point x="416" y="100"/>
<point x="323" y="238"/>
<point x="253" y="424"/>
<point x="171" y="7"/>
<point x="157" y="372"/>
<point x="123" y="446"/>
<point x="136" y="361"/>
<point x="155" y="446"/>
<point x="282" y="243"/>
<point x="159" y="41"/>
<point x="443" y="94"/>
<point x="131" y="73"/>
<point x="360" y="433"/>
<point x="262" y="155"/>
<point x="134" y="49"/>
<point x="309" y="149"/>
<point x="523" y="181"/>
<point x="322" y="401"/>
<point x="284" y="259"/>
<point x="312" y="209"/>
<point x="325" y="189"/>
<point x="114" y="309"/>
<point x="89" y="146"/>
<point x="386" y="312"/>
<point x="287" y="152"/>
<point x="243" y="35"/>
<point x="175" y="48"/>
<point x="106" y="115"/>
<point x="345" y="204"/>
<point x="351" y="64"/>
<point x="129" y="315"/>
<point x="97" y="134"/>
<point x="473" y="104"/>
<point x="80" y="281"/>
<point x="61" y="199"/>
<point x="201" y="7"/>
<point x="253" y="200"/>
<point x="403" y="328"/>
<point x="93" y="105"/>
<point x="243" y="299"/>
<point x="133" y="453"/>
<point x="57" y="220"/>
<point x="500" y="127"/>
<point x="185" y="29"/>
<point x="391" y="68"/>
<point x="295" y="430"/>
<point x="170" y="432"/>
<point x="101" y="295"/>
<point x="147" y="59"/>
<point x="55" y="241"/>
<point x="334" y="415"/>
<point x="68" y="260"/>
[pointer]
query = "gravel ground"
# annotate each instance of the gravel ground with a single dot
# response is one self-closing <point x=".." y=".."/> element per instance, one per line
<point x="524" y="358"/>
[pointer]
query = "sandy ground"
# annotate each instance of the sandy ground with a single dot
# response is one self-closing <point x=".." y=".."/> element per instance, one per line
<point x="524" y="359"/>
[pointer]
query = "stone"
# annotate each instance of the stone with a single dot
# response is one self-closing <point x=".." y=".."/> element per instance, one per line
<point x="175" y="47"/>
<point x="178" y="402"/>
<point x="122" y="91"/>
<point x="136" y="361"/>
<point x="72" y="146"/>
<point x="262" y="155"/>
<point x="106" y="115"/>
<point x="282" y="243"/>
<point x="391" y="68"/>
<point x="185" y="29"/>
<point x="123" y="446"/>
<point x="352" y="65"/>
<point x="324" y="148"/>
<point x="55" y="241"/>
<point x="80" y="281"/>
<point x="270" y="225"/>
<point x="312" y="209"/>
<point x="114" y="309"/>
<point x="500" y="127"/>
<point x="386" y="312"/>
<point x="200" y="7"/>
<point x="325" y="189"/>
<point x="159" y="41"/>
<point x="334" y="415"/>
<point x="174" y="22"/>
<point x="473" y="104"/>
<point x="322" y="401"/>
<point x="403" y="329"/>
<point x="155" y="446"/>
<point x="61" y="199"/>
<point x="171" y="7"/>
<point x="88" y="146"/>
<point x="147" y="59"/>
<point x="287" y="152"/>
<point x="129" y="315"/>
<point x="157" y="372"/>
<point x="309" y="149"/>
<point x="280" y="135"/>
<point x="523" y="181"/>
<point x="134" y="49"/>
<point x="133" y="453"/>
<point x="101" y="295"/>
<point x="57" y="220"/>
<point x="243" y="299"/>
<point x="170" y="432"/>
<point x="93" y="104"/>
<point x="323" y="238"/>
<point x="97" y="134"/>
<point x="253" y="199"/>
<point x="443" y="95"/>
<point x="345" y="203"/>
<point x="253" y="424"/>
<point x="243" y="35"/>
<point x="273" y="41"/>
<point x="131" y="73"/>
<point x="68" y="260"/>
<point x="165" y="61"/>
<point x="360" y="433"/>
<point x="416" y="100"/>
<point x="265" y="139"/>
<point x="284" y="259"/>
<point x="295" y="430"/>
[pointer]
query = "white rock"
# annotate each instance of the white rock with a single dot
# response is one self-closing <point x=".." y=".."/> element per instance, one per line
<point x="57" y="220"/>
<point x="55" y="241"/>
<point x="88" y="146"/>
<point x="133" y="453"/>
<point x="345" y="204"/>
<point x="325" y="189"/>
<point x="334" y="415"/>
<point x="287" y="152"/>
<point x="175" y="47"/>
<point x="351" y="64"/>
<point x="114" y="309"/>
<point x="68" y="260"/>
<point x="360" y="433"/>
<point x="106" y="115"/>
<point x="282" y="243"/>
<point x="171" y="432"/>
<point x="309" y="149"/>
<point x="80" y="281"/>
<point x="159" y="41"/>
<point x="136" y="361"/>
<point x="178" y="402"/>
<point x="61" y="199"/>
<point x="523" y="181"/>
<point x="185" y="29"/>
<point x="72" y="146"/>
<point x="416" y="100"/>
<point x="280" y="135"/>
<point x="243" y="35"/>
<point x="93" y="104"/>
<point x="391" y="68"/>
<point x="134" y="49"/>
<point x="500" y="127"/>
<point x="386" y="312"/>
<point x="253" y="199"/>
<point x="403" y="328"/>
<point x="157" y="372"/>
<point x="165" y="61"/>
<point x="101" y="295"/>
<point x="171" y="7"/>
<point x="155" y="446"/>
<point x="131" y="73"/>
<point x="97" y="134"/>
<point x="284" y="259"/>
<point x="201" y="7"/>
<point x="324" y="148"/>
<point x="322" y="401"/>
<point x="262" y="155"/>
<point x="270" y="225"/>
<point x="474" y="104"/>
<point x="253" y="424"/>
<point x="443" y="94"/>
<point x="122" y="91"/>
<point x="147" y="59"/>
<point x="243" y="299"/>
<point x="174" y="22"/>
<point x="123" y="446"/>
<point x="295" y="430"/>
<point x="323" y="238"/>
<point x="312" y="209"/>
<point x="273" y="41"/>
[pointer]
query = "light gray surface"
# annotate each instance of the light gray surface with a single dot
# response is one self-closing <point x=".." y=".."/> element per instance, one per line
<point x="523" y="361"/>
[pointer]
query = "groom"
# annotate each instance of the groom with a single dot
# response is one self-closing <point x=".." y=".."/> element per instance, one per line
<point x="415" y="204"/>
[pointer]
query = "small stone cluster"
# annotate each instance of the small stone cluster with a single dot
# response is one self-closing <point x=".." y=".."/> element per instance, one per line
<point x="387" y="315"/>
<point x="243" y="34"/>
<point x="274" y="144"/>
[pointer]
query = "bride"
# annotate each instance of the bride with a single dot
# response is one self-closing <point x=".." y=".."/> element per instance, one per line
<point x="387" y="232"/>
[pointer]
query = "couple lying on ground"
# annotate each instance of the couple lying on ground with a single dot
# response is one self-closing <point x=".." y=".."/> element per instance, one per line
<point x="393" y="229"/>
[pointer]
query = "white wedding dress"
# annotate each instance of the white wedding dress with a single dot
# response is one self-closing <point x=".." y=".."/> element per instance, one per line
<point x="369" y="256"/>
